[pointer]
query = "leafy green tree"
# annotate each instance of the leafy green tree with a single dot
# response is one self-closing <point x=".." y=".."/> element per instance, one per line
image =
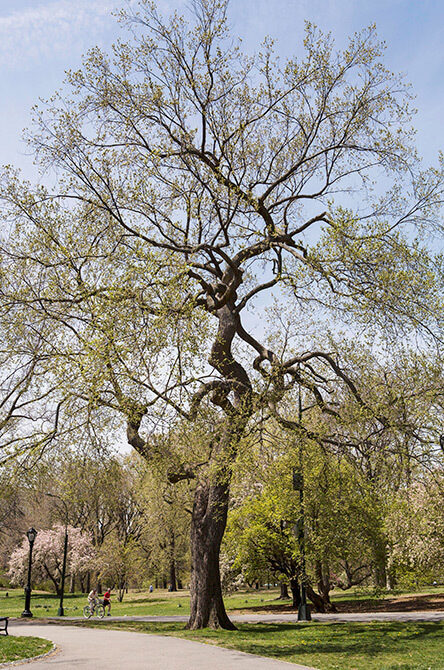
<point x="118" y="562"/>
<point x="166" y="528"/>
<point x="191" y="180"/>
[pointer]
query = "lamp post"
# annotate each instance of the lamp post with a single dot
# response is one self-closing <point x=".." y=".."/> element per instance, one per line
<point x="304" y="613"/>
<point x="61" y="611"/>
<point x="31" y="534"/>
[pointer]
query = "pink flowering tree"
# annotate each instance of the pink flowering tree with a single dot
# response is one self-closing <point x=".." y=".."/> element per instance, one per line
<point x="47" y="561"/>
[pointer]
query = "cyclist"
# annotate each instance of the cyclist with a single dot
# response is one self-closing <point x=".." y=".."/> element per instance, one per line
<point x="92" y="600"/>
<point x="107" y="600"/>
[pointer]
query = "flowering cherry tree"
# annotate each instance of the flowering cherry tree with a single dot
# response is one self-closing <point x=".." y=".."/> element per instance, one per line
<point x="48" y="556"/>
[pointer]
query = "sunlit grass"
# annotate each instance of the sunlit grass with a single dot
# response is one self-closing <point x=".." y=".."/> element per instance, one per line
<point x="14" y="648"/>
<point x="162" y="602"/>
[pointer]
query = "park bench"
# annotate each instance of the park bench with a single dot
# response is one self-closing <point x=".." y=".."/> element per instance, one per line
<point x="4" y="624"/>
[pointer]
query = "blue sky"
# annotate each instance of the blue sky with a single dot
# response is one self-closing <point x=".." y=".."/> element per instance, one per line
<point x="39" y="39"/>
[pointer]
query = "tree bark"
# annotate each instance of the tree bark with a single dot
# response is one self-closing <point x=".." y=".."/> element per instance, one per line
<point x="173" y="580"/>
<point x="295" y="592"/>
<point x="316" y="599"/>
<point x="284" y="592"/>
<point x="208" y="523"/>
<point x="324" y="585"/>
<point x="72" y="583"/>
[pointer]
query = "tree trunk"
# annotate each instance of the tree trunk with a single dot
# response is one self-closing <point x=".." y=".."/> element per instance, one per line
<point x="88" y="582"/>
<point x="284" y="592"/>
<point x="379" y="565"/>
<point x="295" y="592"/>
<point x="316" y="599"/>
<point x="72" y="583"/>
<point x="208" y="523"/>
<point x="173" y="581"/>
<point x="324" y="586"/>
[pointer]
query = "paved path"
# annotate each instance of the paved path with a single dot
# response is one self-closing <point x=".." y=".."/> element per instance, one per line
<point x="93" y="649"/>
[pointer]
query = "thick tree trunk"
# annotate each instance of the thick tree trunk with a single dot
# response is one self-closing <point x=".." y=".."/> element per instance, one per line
<point x="284" y="592"/>
<point x="295" y="592"/>
<point x="208" y="523"/>
<point x="316" y="599"/>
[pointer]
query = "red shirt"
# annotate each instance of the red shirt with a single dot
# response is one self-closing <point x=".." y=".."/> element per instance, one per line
<point x="107" y="595"/>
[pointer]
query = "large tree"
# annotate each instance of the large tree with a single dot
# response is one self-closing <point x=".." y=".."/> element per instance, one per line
<point x="190" y="180"/>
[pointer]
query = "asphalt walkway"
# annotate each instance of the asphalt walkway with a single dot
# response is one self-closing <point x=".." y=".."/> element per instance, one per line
<point x="96" y="649"/>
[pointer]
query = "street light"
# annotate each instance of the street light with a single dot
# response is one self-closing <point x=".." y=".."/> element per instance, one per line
<point x="31" y="534"/>
<point x="61" y="611"/>
<point x="304" y="613"/>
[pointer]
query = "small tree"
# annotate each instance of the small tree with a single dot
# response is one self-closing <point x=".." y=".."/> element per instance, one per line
<point x="118" y="562"/>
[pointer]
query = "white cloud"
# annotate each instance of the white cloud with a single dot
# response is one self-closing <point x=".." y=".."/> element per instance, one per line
<point x="52" y="30"/>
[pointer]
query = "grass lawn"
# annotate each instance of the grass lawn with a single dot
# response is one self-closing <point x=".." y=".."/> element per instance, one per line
<point x="162" y="602"/>
<point x="14" y="648"/>
<point x="327" y="646"/>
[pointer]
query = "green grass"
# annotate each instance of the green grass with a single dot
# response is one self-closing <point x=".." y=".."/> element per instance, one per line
<point x="13" y="648"/>
<point x="161" y="602"/>
<point x="327" y="646"/>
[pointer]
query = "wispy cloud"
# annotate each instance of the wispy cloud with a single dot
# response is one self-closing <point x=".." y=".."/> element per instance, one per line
<point x="52" y="30"/>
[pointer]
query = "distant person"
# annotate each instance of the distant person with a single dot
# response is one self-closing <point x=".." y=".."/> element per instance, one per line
<point x="151" y="588"/>
<point x="107" y="600"/>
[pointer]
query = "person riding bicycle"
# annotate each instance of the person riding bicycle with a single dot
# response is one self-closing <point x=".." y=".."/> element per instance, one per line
<point x="107" y="600"/>
<point x="92" y="600"/>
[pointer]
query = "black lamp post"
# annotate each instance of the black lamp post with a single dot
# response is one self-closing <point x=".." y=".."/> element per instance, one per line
<point x="61" y="611"/>
<point x="31" y="534"/>
<point x="441" y="442"/>
<point x="304" y="613"/>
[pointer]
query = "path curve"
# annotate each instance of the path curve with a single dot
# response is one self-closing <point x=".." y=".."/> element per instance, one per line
<point x="104" y="649"/>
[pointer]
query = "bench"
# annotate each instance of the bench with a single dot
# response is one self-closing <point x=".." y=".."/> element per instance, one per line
<point x="4" y="624"/>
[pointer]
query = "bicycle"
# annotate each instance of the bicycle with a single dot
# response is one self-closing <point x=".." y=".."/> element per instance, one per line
<point x="97" y="609"/>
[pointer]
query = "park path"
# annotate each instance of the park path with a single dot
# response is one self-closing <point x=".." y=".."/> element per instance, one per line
<point x="104" y="649"/>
